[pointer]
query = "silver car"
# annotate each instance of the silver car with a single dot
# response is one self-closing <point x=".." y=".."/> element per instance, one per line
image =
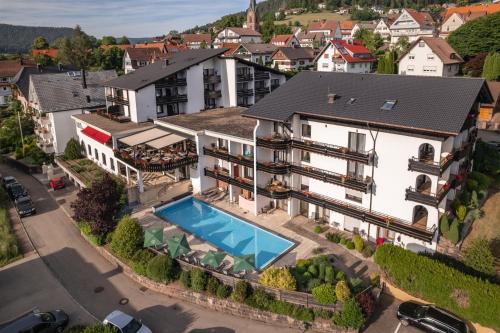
<point x="124" y="323"/>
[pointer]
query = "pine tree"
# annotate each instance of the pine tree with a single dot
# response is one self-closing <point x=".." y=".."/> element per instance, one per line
<point x="454" y="233"/>
<point x="381" y="65"/>
<point x="488" y="67"/>
<point x="444" y="225"/>
<point x="496" y="66"/>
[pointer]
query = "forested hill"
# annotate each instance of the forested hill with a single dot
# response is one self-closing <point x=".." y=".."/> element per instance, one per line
<point x="17" y="38"/>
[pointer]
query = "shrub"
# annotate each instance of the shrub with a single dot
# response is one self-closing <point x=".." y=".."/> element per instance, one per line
<point x="444" y="225"/>
<point x="342" y="291"/>
<point x="367" y="252"/>
<point x="350" y="245"/>
<point x="185" y="279"/>
<point x="163" y="268"/>
<point x="437" y="283"/>
<point x="241" y="291"/>
<point x="212" y="285"/>
<point x="375" y="279"/>
<point x="359" y="243"/>
<point x="343" y="241"/>
<point x="329" y="274"/>
<point x="307" y="276"/>
<point x="472" y="185"/>
<point x="313" y="270"/>
<point x="140" y="261"/>
<point x="479" y="257"/>
<point x="321" y="271"/>
<point x="313" y="283"/>
<point x="356" y="285"/>
<point x="85" y="228"/>
<point x="73" y="150"/>
<point x="350" y="316"/>
<point x="198" y="279"/>
<point x="318" y="229"/>
<point x="99" y="328"/>
<point x="460" y="212"/>
<point x="322" y="313"/>
<point x="109" y="237"/>
<point x="128" y="237"/>
<point x="454" y="233"/>
<point x="321" y="259"/>
<point x="280" y="278"/>
<point x="325" y="294"/>
<point x="483" y="180"/>
<point x="340" y="276"/>
<point x="75" y="329"/>
<point x="302" y="264"/>
<point x="223" y="291"/>
<point x="8" y="242"/>
<point x="317" y="250"/>
<point x="367" y="304"/>
<point x="333" y="237"/>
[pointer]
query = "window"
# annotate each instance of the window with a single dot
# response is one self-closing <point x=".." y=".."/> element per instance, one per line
<point x="389" y="105"/>
<point x="410" y="68"/>
<point x="159" y="109"/>
<point x="301" y="62"/>
<point x="430" y="57"/>
<point x="351" y="101"/>
<point x="158" y="92"/>
<point x="411" y="56"/>
<point x="421" y="44"/>
<point x="357" y="142"/>
<point x="305" y="156"/>
<point x="96" y="154"/>
<point x="221" y="143"/>
<point x="352" y="65"/>
<point x="325" y="56"/>
<point x="248" y="173"/>
<point x="429" y="69"/>
<point x="306" y="130"/>
<point x="353" y="195"/>
<point x="324" y="65"/>
<point x="89" y="150"/>
<point x="355" y="169"/>
<point x="112" y="164"/>
<point x="247" y="150"/>
<point x="104" y="159"/>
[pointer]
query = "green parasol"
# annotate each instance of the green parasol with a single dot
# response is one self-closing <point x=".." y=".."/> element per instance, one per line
<point x="178" y="245"/>
<point x="246" y="262"/>
<point x="213" y="259"/>
<point x="153" y="237"/>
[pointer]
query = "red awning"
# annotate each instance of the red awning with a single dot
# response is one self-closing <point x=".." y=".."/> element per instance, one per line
<point x="96" y="135"/>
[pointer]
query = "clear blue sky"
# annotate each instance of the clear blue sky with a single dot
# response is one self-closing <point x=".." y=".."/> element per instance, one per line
<point x="133" y="18"/>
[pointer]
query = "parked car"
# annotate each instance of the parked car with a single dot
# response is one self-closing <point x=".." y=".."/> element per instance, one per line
<point x="7" y="181"/>
<point x="124" y="323"/>
<point x="36" y="321"/>
<point x="57" y="183"/>
<point x="16" y="190"/>
<point x="430" y="318"/>
<point x="25" y="206"/>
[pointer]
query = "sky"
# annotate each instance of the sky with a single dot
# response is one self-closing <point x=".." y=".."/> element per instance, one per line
<point x="133" y="18"/>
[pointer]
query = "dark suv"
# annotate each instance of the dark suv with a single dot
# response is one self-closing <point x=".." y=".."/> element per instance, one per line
<point x="37" y="322"/>
<point x="430" y="318"/>
<point x="16" y="190"/>
<point x="25" y="206"/>
<point x="7" y="181"/>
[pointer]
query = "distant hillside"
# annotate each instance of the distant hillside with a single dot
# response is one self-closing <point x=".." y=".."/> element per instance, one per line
<point x="17" y="38"/>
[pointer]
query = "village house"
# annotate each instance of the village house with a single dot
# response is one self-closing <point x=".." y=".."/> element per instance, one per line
<point x="383" y="28"/>
<point x="455" y="17"/>
<point x="8" y="71"/>
<point x="238" y="36"/>
<point x="329" y="28"/>
<point x="258" y="53"/>
<point x="285" y="41"/>
<point x="412" y="24"/>
<point x="135" y="58"/>
<point x="313" y="40"/>
<point x="196" y="41"/>
<point x="489" y="113"/>
<point x="348" y="56"/>
<point x="292" y="58"/>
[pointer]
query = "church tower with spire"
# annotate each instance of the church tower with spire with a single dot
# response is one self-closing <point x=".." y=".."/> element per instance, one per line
<point x="252" y="22"/>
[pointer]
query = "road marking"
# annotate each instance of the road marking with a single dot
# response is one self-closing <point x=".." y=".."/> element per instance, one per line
<point x="397" y="328"/>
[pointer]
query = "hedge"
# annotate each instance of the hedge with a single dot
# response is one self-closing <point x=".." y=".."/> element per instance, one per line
<point x="469" y="297"/>
<point x="128" y="237"/>
<point x="278" y="277"/>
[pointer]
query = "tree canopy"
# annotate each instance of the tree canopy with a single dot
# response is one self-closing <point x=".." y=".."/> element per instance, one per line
<point x="372" y="41"/>
<point x="40" y="43"/>
<point x="108" y="40"/>
<point x="476" y="36"/>
<point x="491" y="69"/>
<point x="124" y="41"/>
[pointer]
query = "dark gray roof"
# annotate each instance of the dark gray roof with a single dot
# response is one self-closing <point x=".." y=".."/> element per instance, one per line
<point x="61" y="92"/>
<point x="296" y="53"/>
<point x="22" y="79"/>
<point x="147" y="75"/>
<point x="431" y="104"/>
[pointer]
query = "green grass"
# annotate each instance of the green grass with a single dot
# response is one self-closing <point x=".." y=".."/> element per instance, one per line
<point x="307" y="18"/>
<point x="9" y="249"/>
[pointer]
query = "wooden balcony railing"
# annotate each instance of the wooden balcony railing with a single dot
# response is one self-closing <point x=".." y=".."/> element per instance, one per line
<point x="116" y="100"/>
<point x="171" y="99"/>
<point x="160" y="166"/>
<point x="244" y="92"/>
<point x="212" y="79"/>
<point x="244" y="77"/>
<point x="262" y="76"/>
<point x="171" y="82"/>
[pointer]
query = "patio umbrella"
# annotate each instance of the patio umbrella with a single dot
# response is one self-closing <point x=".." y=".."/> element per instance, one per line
<point x="246" y="262"/>
<point x="153" y="237"/>
<point x="213" y="259"/>
<point x="178" y="245"/>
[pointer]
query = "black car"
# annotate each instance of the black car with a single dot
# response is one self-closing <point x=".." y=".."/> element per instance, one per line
<point x="37" y="322"/>
<point x="7" y="181"/>
<point x="16" y="190"/>
<point x="25" y="206"/>
<point x="430" y="318"/>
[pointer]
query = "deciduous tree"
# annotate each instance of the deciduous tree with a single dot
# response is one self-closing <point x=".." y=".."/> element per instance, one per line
<point x="77" y="50"/>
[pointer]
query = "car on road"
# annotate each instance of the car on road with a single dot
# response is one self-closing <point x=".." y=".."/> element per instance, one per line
<point x="36" y="321"/>
<point x="16" y="190"/>
<point x="7" y="181"/>
<point x="430" y="318"/>
<point x="57" y="183"/>
<point x="124" y="323"/>
<point x="24" y="206"/>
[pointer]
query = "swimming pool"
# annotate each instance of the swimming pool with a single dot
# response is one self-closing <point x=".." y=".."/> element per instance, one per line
<point x="225" y="231"/>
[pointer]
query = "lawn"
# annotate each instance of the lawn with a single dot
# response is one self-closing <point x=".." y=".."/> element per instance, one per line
<point x="306" y="18"/>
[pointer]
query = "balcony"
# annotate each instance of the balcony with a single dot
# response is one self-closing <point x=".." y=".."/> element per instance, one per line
<point x="244" y="92"/>
<point x="275" y="190"/>
<point x="262" y="91"/>
<point x="244" y="77"/>
<point x="276" y="141"/>
<point x="223" y="154"/>
<point x="213" y="94"/>
<point x="118" y="100"/>
<point x="331" y="150"/>
<point x="171" y="99"/>
<point x="424" y="196"/>
<point x="212" y="79"/>
<point x="427" y="165"/>
<point x="224" y="176"/>
<point x="114" y="113"/>
<point x="262" y="75"/>
<point x="160" y="163"/>
<point x="275" y="168"/>
<point x="171" y="82"/>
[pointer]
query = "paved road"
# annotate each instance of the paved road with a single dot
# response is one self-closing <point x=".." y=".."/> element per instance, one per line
<point x="92" y="281"/>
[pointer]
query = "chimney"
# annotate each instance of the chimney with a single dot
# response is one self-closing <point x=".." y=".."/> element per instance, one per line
<point x="331" y="98"/>
<point x="165" y="63"/>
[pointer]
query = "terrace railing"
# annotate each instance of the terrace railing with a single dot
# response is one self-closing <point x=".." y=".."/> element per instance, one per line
<point x="244" y="92"/>
<point x="244" y="77"/>
<point x="212" y="79"/>
<point x="262" y="76"/>
<point x="181" y="98"/>
<point x="160" y="166"/>
<point x="116" y="100"/>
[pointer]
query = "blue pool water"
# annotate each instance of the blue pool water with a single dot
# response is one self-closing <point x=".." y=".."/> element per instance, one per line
<point x="227" y="232"/>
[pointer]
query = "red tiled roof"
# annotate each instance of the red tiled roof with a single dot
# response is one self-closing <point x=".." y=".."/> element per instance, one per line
<point x="232" y="47"/>
<point x="356" y="48"/>
<point x="9" y="68"/>
<point x="323" y="25"/>
<point x="197" y="38"/>
<point x="123" y="47"/>
<point x="144" y="54"/>
<point x="160" y="46"/>
<point x="52" y="53"/>
<point x="489" y="8"/>
<point x="281" y="39"/>
<point x="96" y="135"/>
<point x="423" y="19"/>
<point x="173" y="48"/>
<point x="346" y="25"/>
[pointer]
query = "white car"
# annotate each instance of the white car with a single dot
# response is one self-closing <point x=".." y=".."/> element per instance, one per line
<point x="124" y="323"/>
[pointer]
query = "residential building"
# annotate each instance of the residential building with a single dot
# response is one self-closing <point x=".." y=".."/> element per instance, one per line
<point x="196" y="41"/>
<point x="346" y="29"/>
<point x="383" y="28"/>
<point x="160" y="45"/>
<point x="315" y="40"/>
<point x="285" y="41"/>
<point x="293" y="58"/>
<point x="329" y="28"/>
<point x="237" y="35"/>
<point x="258" y="53"/>
<point x="123" y="47"/>
<point x="54" y="98"/>
<point x="489" y="113"/>
<point x="8" y="71"/>
<point x="455" y="17"/>
<point x="429" y="56"/>
<point x="349" y="56"/>
<point x="370" y="26"/>
<point x="135" y="58"/>
<point x="412" y="24"/>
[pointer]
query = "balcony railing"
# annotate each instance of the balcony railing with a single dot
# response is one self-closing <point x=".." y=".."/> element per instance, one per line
<point x="171" y="82"/>
<point x="244" y="77"/>
<point x="113" y="112"/>
<point x="275" y="168"/>
<point x="275" y="141"/>
<point x="212" y="79"/>
<point x="278" y="192"/>
<point x="116" y="100"/>
<point x="224" y="155"/>
<point x="331" y="150"/>
<point x="262" y="76"/>
<point x="429" y="166"/>
<point x="213" y="94"/>
<point x="225" y="177"/>
<point x="171" y="99"/>
<point x="262" y="91"/>
<point x="244" y="92"/>
<point x="159" y="166"/>
<point x="427" y="197"/>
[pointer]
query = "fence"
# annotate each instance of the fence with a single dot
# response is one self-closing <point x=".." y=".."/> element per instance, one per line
<point x="29" y="169"/>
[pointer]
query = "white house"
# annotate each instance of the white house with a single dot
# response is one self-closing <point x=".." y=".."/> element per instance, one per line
<point x="455" y="17"/>
<point x="313" y="40"/>
<point x="237" y="35"/>
<point x="329" y="28"/>
<point x="135" y="58"/>
<point x="412" y="24"/>
<point x="258" y="53"/>
<point x="8" y="71"/>
<point x="382" y="28"/>
<point x="370" y="26"/>
<point x="429" y="56"/>
<point x="197" y="41"/>
<point x="345" y="56"/>
<point x="54" y="98"/>
<point x="285" y="41"/>
<point x="293" y="58"/>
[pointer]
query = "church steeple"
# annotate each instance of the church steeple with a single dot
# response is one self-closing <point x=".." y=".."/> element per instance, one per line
<point x="252" y="22"/>
<point x="253" y="5"/>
